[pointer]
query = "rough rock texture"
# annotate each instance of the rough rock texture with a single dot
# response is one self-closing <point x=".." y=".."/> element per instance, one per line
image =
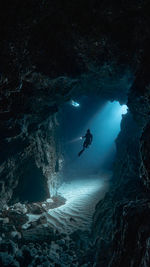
<point x="145" y="155"/>
<point x="39" y="244"/>
<point x="30" y="172"/>
<point x="61" y="251"/>
<point x="120" y="227"/>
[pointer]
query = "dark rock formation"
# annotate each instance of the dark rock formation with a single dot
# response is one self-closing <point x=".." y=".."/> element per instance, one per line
<point x="121" y="230"/>
<point x="145" y="153"/>
<point x="31" y="165"/>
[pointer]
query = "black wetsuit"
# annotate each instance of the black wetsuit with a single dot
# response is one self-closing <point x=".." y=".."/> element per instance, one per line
<point x="88" y="139"/>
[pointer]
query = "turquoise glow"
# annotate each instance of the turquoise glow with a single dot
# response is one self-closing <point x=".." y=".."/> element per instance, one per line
<point x="124" y="109"/>
<point x="75" y="104"/>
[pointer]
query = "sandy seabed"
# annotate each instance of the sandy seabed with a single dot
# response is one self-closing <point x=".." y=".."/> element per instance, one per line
<point x="82" y="195"/>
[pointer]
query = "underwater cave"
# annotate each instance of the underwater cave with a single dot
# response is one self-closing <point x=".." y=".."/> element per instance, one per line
<point x="74" y="133"/>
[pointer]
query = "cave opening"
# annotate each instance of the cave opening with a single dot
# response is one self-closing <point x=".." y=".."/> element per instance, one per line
<point x="103" y="118"/>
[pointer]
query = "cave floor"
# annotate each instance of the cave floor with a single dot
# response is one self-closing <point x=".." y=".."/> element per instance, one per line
<point x="82" y="195"/>
<point x="57" y="228"/>
<point x="71" y="209"/>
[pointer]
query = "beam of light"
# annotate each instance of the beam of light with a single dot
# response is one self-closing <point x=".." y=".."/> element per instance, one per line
<point x="105" y="127"/>
<point x="75" y="140"/>
<point x="124" y="109"/>
<point x="75" y="104"/>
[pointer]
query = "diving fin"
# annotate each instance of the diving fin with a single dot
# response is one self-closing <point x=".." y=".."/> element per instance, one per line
<point x="79" y="154"/>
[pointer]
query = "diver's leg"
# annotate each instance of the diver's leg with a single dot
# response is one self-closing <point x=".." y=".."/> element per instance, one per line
<point x="85" y="144"/>
<point x="79" y="154"/>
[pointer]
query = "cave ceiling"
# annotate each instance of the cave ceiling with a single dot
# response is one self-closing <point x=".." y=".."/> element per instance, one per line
<point x="52" y="51"/>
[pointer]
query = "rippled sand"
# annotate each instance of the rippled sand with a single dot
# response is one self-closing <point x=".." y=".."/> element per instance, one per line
<point x="81" y="196"/>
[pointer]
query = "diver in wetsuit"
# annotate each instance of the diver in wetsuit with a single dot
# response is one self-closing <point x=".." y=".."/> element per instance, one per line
<point x="88" y="140"/>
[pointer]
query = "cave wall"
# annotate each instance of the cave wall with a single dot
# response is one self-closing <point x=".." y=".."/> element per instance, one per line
<point x="31" y="172"/>
<point x="139" y="103"/>
<point x="121" y="221"/>
<point x="145" y="155"/>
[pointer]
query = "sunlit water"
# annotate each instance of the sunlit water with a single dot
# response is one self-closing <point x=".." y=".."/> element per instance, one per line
<point x="105" y="127"/>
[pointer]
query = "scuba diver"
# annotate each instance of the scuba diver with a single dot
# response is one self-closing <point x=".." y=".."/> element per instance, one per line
<point x="88" y="140"/>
